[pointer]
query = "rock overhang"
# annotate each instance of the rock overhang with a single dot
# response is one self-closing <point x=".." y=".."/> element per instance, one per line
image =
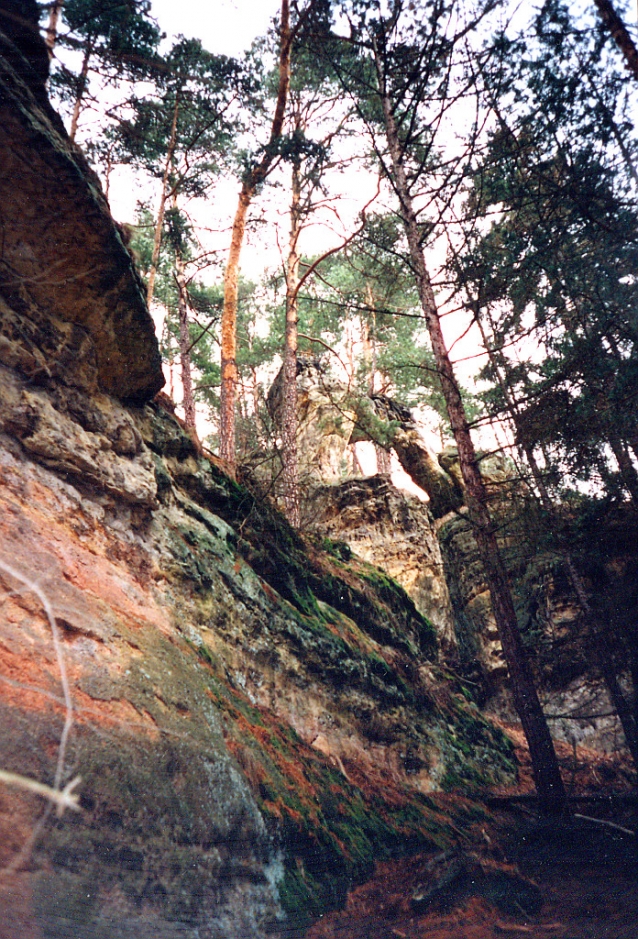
<point x="62" y="253"/>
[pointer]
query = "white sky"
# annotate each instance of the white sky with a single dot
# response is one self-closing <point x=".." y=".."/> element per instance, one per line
<point x="224" y="26"/>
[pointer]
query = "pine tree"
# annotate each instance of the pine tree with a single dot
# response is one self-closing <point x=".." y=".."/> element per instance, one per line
<point x="406" y="85"/>
<point x="254" y="175"/>
<point x="180" y="133"/>
<point x="117" y="41"/>
<point x="185" y="300"/>
<point x="308" y="150"/>
<point x="557" y="266"/>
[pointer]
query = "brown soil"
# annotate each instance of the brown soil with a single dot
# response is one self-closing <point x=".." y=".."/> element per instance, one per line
<point x="586" y="871"/>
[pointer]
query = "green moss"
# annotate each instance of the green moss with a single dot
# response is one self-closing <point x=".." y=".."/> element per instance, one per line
<point x="331" y="831"/>
<point x="281" y="558"/>
<point x="338" y="550"/>
<point x="203" y="652"/>
<point x="338" y="615"/>
<point x="476" y="753"/>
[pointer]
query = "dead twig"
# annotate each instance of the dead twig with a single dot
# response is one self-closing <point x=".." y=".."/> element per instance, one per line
<point x="62" y="798"/>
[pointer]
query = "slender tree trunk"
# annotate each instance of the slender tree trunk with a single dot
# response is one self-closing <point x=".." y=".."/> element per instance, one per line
<point x="620" y="34"/>
<point x="107" y="176"/>
<point x="184" y="343"/>
<point x="161" y="211"/>
<point x="51" y="32"/>
<point x="627" y="469"/>
<point x="384" y="463"/>
<point x="545" y="769"/>
<point x="254" y="390"/>
<point x="82" y="81"/>
<point x="227" y="442"/>
<point x="289" y="410"/>
<point x="253" y="179"/>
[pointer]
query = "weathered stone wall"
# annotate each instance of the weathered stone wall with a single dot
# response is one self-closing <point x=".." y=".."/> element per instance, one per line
<point x="254" y="720"/>
<point x="395" y="531"/>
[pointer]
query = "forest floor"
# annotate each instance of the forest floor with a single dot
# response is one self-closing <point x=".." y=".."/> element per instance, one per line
<point x="519" y="874"/>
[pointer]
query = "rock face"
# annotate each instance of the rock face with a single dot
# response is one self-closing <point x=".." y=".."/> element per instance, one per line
<point x="554" y="630"/>
<point x="73" y="307"/>
<point x="479" y="644"/>
<point x="438" y="564"/>
<point x="395" y="531"/>
<point x="326" y="420"/>
<point x="256" y="720"/>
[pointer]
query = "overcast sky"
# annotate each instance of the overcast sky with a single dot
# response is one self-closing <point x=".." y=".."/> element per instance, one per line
<point x="224" y="26"/>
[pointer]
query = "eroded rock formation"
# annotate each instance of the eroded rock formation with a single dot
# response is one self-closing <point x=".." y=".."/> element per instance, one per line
<point x="431" y="551"/>
<point x="326" y="419"/>
<point x="73" y="309"/>
<point x="395" y="531"/>
<point x="228" y="687"/>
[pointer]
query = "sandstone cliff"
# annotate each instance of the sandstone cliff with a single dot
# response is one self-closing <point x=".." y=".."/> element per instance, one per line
<point x="255" y="720"/>
<point x="396" y="532"/>
<point x="73" y="307"/>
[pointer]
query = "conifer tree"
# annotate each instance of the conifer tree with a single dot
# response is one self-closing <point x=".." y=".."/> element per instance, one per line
<point x="557" y="267"/>
<point x="180" y="133"/>
<point x="406" y="84"/>
<point x="314" y="122"/>
<point x="117" y="40"/>
<point x="254" y="175"/>
<point x="191" y="308"/>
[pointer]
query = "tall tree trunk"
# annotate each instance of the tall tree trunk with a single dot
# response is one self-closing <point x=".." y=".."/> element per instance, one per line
<point x="252" y="180"/>
<point x="184" y="343"/>
<point x="82" y="82"/>
<point x="545" y="769"/>
<point x="161" y="210"/>
<point x="382" y="457"/>
<point x="227" y="442"/>
<point x="620" y="34"/>
<point x="289" y="410"/>
<point x="627" y="469"/>
<point x="51" y="32"/>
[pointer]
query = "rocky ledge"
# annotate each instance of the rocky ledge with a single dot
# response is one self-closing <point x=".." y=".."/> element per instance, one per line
<point x="74" y="308"/>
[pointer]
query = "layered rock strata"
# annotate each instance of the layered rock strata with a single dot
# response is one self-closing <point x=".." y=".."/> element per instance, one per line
<point x="254" y="721"/>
